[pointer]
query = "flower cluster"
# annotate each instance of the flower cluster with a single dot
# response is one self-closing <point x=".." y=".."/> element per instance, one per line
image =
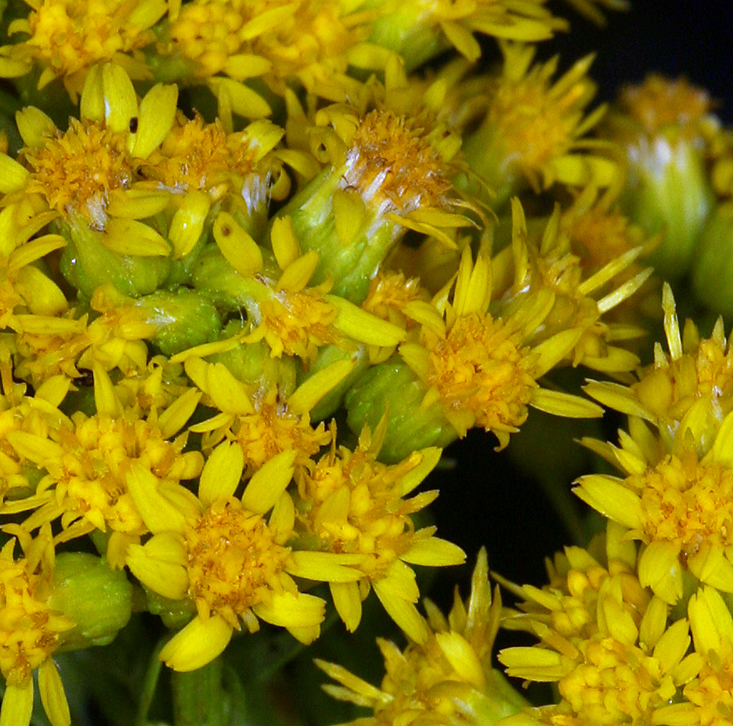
<point x="280" y="256"/>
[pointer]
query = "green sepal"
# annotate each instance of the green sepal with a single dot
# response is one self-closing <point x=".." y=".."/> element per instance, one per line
<point x="184" y="318"/>
<point x="87" y="264"/>
<point x="350" y="264"/>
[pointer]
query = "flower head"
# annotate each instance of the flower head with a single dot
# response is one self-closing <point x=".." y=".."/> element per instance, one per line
<point x="687" y="388"/>
<point x="605" y="642"/>
<point x="418" y="30"/>
<point x="263" y="420"/>
<point x="30" y="633"/>
<point x="445" y="680"/>
<point x="220" y="552"/>
<point x="533" y="127"/>
<point x="86" y="460"/>
<point x="283" y="44"/>
<point x="355" y="508"/>
<point x="67" y="37"/>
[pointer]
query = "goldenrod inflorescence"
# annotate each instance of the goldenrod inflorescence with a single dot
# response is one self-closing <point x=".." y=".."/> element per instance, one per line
<point x="260" y="264"/>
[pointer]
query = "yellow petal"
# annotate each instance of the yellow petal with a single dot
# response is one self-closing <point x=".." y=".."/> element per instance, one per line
<point x="607" y="495"/>
<point x="197" y="644"/>
<point x="53" y="696"/>
<point x="157" y="113"/>
<point x="347" y="601"/>
<point x="119" y="96"/>
<point x="187" y="224"/>
<point x="17" y="705"/>
<point x="222" y="473"/>
<point x="660" y="569"/>
<point x="326" y="566"/>
<point x="131" y="237"/>
<point x="434" y="552"/>
<point x="292" y="611"/>
<point x="157" y="511"/>
<point x="238" y="247"/>
<point x="160" y="565"/>
<point x="268" y="483"/>
<point x="462" y="657"/>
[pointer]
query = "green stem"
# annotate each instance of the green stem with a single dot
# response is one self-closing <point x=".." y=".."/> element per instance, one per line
<point x="199" y="698"/>
<point x="150" y="684"/>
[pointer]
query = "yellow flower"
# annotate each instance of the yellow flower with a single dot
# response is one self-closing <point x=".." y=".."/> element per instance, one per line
<point x="688" y="388"/>
<point x="660" y="103"/>
<point x="263" y="421"/>
<point x="87" y="460"/>
<point x="24" y="288"/>
<point x="709" y="697"/>
<point x="531" y="129"/>
<point x="605" y="642"/>
<point x="211" y="158"/>
<point x="581" y="297"/>
<point x="67" y="37"/>
<point x="354" y="507"/>
<point x="678" y="502"/>
<point x="484" y="368"/>
<point x="401" y="301"/>
<point x="69" y="345"/>
<point x="81" y="172"/>
<point x="219" y="551"/>
<point x="24" y="415"/>
<point x="30" y="632"/>
<point x="309" y="42"/>
<point x="85" y="179"/>
<point x="446" y="680"/>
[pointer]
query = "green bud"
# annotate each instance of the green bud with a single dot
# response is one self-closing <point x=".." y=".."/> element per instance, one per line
<point x="94" y="596"/>
<point x="87" y="263"/>
<point x="394" y="388"/>
<point x="712" y="267"/>
<point x="350" y="238"/>
<point x="183" y="318"/>
<point x="668" y="192"/>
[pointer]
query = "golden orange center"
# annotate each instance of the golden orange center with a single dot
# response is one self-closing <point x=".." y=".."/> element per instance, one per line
<point x="233" y="561"/>
<point x="686" y="502"/>
<point x="76" y="171"/>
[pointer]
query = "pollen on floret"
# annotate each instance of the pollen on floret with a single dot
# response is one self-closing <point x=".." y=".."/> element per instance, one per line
<point x="391" y="160"/>
<point x="481" y="371"/>
<point x="233" y="561"/>
<point x="660" y="102"/>
<point x="77" y="170"/>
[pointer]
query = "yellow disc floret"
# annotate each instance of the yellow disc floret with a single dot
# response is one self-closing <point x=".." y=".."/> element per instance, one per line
<point x="76" y="171"/>
<point x="233" y="561"/>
